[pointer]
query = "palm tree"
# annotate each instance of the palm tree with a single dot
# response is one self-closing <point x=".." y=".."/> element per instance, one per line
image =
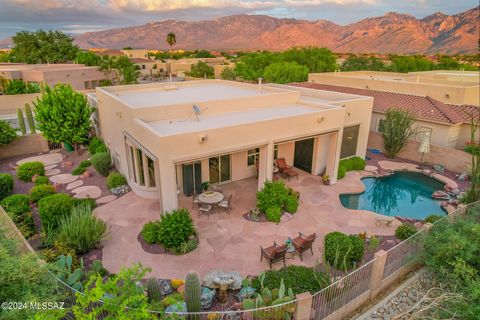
<point x="108" y="64"/>
<point x="171" y="40"/>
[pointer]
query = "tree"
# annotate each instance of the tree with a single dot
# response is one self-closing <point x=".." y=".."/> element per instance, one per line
<point x="472" y="194"/>
<point x="5" y="56"/>
<point x="129" y="72"/>
<point x="203" y="54"/>
<point x="63" y="115"/>
<point x="251" y="65"/>
<point x="107" y="65"/>
<point x="171" y="40"/>
<point x="228" y="74"/>
<point x="285" y="72"/>
<point x="411" y="63"/>
<point x="315" y="59"/>
<point x="397" y="129"/>
<point x="354" y="63"/>
<point x="88" y="58"/>
<point x="43" y="47"/>
<point x="7" y="133"/>
<point x="200" y="70"/>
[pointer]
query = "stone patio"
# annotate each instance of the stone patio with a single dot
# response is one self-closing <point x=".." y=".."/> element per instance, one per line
<point x="230" y="242"/>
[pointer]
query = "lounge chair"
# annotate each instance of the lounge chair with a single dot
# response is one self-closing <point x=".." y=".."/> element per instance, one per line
<point x="286" y="170"/>
<point x="273" y="253"/>
<point x="303" y="243"/>
<point x="226" y="204"/>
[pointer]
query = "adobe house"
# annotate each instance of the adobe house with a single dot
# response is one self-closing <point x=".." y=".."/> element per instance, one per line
<point x="168" y="138"/>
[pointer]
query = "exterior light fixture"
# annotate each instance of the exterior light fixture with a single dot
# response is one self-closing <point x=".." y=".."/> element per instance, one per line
<point x="202" y="138"/>
<point x="320" y="119"/>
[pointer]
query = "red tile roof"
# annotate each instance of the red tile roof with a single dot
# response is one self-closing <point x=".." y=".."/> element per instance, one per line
<point x="423" y="108"/>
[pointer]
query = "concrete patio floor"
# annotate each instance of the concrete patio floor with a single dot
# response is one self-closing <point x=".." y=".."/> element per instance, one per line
<point x="230" y="242"/>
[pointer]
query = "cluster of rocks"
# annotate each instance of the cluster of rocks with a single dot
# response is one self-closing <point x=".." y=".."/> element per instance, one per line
<point x="403" y="303"/>
<point x="120" y="190"/>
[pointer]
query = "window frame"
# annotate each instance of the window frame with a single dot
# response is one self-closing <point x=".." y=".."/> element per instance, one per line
<point x="135" y="172"/>
<point x="255" y="155"/>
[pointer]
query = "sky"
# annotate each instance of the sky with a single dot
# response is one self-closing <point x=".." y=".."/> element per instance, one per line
<point x="79" y="16"/>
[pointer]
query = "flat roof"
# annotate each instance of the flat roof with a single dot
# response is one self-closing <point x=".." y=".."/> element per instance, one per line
<point x="185" y="94"/>
<point x="215" y="121"/>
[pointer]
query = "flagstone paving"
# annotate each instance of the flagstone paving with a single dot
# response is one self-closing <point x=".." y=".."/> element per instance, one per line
<point x="230" y="242"/>
<point x="47" y="159"/>
<point x="63" y="178"/>
<point x="93" y="192"/>
<point x="74" y="184"/>
<point x="52" y="172"/>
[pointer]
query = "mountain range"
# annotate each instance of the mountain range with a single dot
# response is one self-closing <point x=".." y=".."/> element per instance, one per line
<point x="391" y="33"/>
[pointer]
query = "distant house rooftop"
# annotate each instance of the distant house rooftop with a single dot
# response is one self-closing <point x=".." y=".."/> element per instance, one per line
<point x="424" y="108"/>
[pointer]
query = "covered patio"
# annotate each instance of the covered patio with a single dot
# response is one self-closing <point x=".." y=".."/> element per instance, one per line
<point x="229" y="241"/>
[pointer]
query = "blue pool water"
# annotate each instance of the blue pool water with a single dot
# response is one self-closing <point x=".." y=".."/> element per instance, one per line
<point x="405" y="194"/>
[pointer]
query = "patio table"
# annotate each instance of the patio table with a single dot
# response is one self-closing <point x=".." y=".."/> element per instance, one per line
<point x="210" y="197"/>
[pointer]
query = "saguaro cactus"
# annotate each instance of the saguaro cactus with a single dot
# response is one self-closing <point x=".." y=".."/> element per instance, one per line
<point x="31" y="122"/>
<point x="21" y="122"/>
<point x="193" y="292"/>
<point x="153" y="290"/>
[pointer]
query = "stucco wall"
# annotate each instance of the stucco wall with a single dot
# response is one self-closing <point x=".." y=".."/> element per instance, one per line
<point x="10" y="103"/>
<point x="453" y="159"/>
<point x="24" y="145"/>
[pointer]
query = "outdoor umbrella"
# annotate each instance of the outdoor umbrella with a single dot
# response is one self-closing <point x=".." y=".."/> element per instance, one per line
<point x="424" y="146"/>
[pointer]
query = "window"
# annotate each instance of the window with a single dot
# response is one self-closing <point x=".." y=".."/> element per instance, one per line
<point x="421" y="131"/>
<point x="141" y="167"/>
<point x="252" y="156"/>
<point x="143" y="66"/>
<point x="349" y="141"/>
<point x="381" y="125"/>
<point x="275" y="152"/>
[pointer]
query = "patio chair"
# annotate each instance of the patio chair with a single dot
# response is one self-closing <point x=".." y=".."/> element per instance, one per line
<point x="225" y="204"/>
<point x="205" y="208"/>
<point x="273" y="253"/>
<point x="195" y="201"/>
<point x="303" y="243"/>
<point x="285" y="170"/>
<point x="217" y="189"/>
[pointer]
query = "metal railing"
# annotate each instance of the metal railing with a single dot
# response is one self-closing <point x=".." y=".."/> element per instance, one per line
<point x="403" y="253"/>
<point x="341" y="292"/>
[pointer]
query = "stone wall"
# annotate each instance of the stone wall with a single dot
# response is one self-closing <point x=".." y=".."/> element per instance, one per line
<point x="24" y="145"/>
<point x="453" y="159"/>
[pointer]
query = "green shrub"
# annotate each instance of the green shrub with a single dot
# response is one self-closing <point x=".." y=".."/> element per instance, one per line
<point x="18" y="209"/>
<point x="41" y="191"/>
<point x="291" y="204"/>
<point x="52" y="208"/>
<point x="81" y="230"/>
<point x="405" y="231"/>
<point x="102" y="162"/>
<point x="16" y="204"/>
<point x="27" y="170"/>
<point x="373" y="243"/>
<point x="97" y="145"/>
<point x="342" y="170"/>
<point x="175" y="228"/>
<point x="7" y="133"/>
<point x="274" y="214"/>
<point x="115" y="179"/>
<point x="6" y="185"/>
<point x="343" y="251"/>
<point x="88" y="201"/>
<point x="42" y="180"/>
<point x="187" y="246"/>
<point x="150" y="232"/>
<point x="299" y="278"/>
<point x="82" y="167"/>
<point x="432" y="218"/>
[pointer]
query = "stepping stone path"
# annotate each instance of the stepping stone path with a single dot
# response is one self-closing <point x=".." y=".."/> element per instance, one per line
<point x="74" y="184"/>
<point x="93" y="192"/>
<point x="106" y="199"/>
<point x="63" y="178"/>
<point x="47" y="159"/>
<point x="50" y="167"/>
<point x="52" y="172"/>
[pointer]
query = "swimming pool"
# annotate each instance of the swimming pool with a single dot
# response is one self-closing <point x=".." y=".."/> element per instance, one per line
<point x="404" y="194"/>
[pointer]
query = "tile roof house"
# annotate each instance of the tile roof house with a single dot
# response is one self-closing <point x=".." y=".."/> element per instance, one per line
<point x="448" y="124"/>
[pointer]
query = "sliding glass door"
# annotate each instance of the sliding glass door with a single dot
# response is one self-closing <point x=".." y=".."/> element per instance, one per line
<point x="220" y="168"/>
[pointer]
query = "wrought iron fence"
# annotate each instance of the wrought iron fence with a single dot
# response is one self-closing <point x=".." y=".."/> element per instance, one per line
<point x="341" y="292"/>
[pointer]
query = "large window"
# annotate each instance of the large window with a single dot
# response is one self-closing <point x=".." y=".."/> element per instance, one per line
<point x="349" y="141"/>
<point x="219" y="168"/>
<point x="252" y="156"/>
<point x="141" y="167"/>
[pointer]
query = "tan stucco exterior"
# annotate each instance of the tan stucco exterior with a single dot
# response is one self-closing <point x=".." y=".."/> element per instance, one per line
<point x="136" y="53"/>
<point x="166" y="130"/>
<point x="452" y="87"/>
<point x="78" y="76"/>
<point x="179" y="67"/>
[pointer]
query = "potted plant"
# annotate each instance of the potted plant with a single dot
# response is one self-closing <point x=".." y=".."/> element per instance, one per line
<point x="326" y="179"/>
<point x="205" y="185"/>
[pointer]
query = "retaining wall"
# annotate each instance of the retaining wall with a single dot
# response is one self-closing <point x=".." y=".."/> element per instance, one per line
<point x="23" y="145"/>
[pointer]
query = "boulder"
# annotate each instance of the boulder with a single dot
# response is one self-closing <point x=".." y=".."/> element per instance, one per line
<point x="177" y="307"/>
<point x="67" y="164"/>
<point x="207" y="297"/>
<point x="165" y="287"/>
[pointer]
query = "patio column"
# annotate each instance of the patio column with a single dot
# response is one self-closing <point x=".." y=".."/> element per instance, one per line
<point x="334" y="155"/>
<point x="265" y="164"/>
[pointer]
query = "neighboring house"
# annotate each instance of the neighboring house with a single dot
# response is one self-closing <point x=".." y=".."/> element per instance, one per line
<point x="448" y="125"/>
<point x="136" y="53"/>
<point x="150" y="67"/>
<point x="180" y="66"/>
<point x="452" y="87"/>
<point x="169" y="138"/>
<point x="78" y="76"/>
